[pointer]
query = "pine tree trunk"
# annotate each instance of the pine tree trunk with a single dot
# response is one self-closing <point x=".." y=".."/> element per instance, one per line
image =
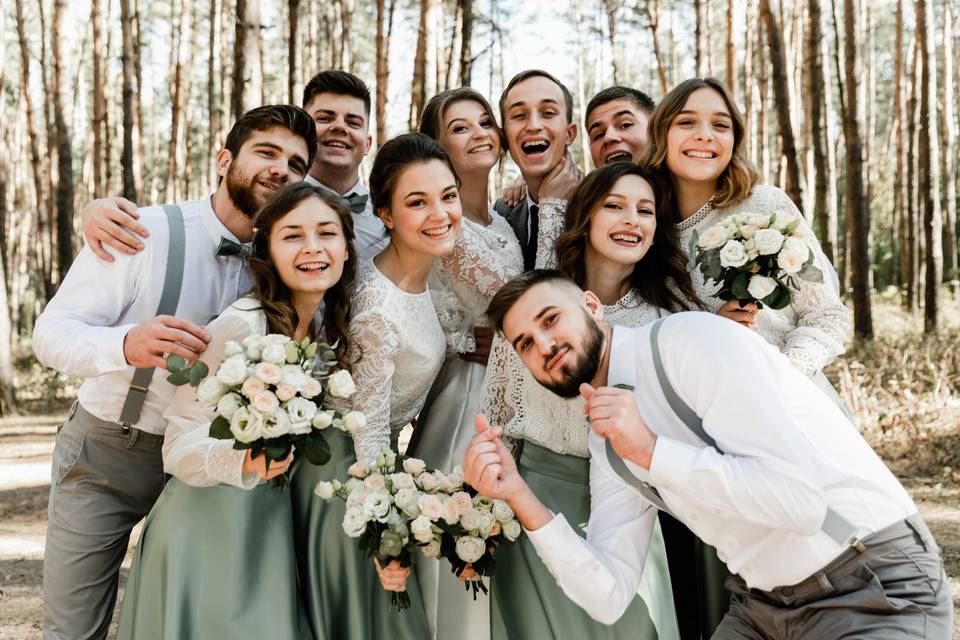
<point x="247" y="91"/>
<point x="214" y="108"/>
<point x="929" y="167"/>
<point x="610" y="9"/>
<point x="108" y="101"/>
<point x="61" y="119"/>
<point x="949" y="155"/>
<point x="763" y="150"/>
<point x="418" y="86"/>
<point x="383" y="74"/>
<point x="293" y="50"/>
<point x="8" y="400"/>
<point x="99" y="104"/>
<point x="794" y="186"/>
<point x="652" y="9"/>
<point x="131" y="189"/>
<point x="912" y="214"/>
<point x="698" y="38"/>
<point x="466" y="42"/>
<point x="858" y="212"/>
<point x="346" y="21"/>
<point x="899" y="231"/>
<point x="731" y="54"/>
<point x="819" y="141"/>
<point x="180" y="36"/>
<point x="138" y="153"/>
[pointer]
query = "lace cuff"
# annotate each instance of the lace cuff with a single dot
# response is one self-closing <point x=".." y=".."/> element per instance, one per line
<point x="224" y="464"/>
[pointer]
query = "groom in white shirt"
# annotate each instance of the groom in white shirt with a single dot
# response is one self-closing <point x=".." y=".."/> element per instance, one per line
<point x="103" y="326"/>
<point x="699" y="416"/>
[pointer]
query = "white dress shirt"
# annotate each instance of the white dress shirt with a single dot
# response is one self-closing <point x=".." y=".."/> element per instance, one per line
<point x="789" y="453"/>
<point x="371" y="235"/>
<point x="82" y="330"/>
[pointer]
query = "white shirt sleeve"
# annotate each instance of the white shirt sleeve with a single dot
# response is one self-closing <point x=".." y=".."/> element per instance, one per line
<point x="760" y="476"/>
<point x="75" y="334"/>
<point x="189" y="453"/>
<point x="602" y="573"/>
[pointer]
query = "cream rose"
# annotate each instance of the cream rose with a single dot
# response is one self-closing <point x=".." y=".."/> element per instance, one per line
<point x="354" y="522"/>
<point x="229" y="404"/>
<point x="471" y="519"/>
<point x="353" y="421"/>
<point x="428" y="481"/>
<point x="359" y="469"/>
<point x="285" y="392"/>
<point x="761" y="286"/>
<point x="375" y="481"/>
<point x="789" y="261"/>
<point x="402" y="480"/>
<point x="463" y="500"/>
<point x="323" y="490"/>
<point x="377" y="504"/>
<point x="407" y="501"/>
<point x="502" y="511"/>
<point x="276" y="424"/>
<point x="311" y="387"/>
<point x="733" y="254"/>
<point x="210" y="391"/>
<point x="422" y="529"/>
<point x="768" y="241"/>
<point x="232" y="348"/>
<point x="451" y="511"/>
<point x="265" y="402"/>
<point x="252" y="386"/>
<point x="432" y="548"/>
<point x="431" y="507"/>
<point x="341" y="385"/>
<point x="268" y="372"/>
<point x="293" y="375"/>
<point x="246" y="426"/>
<point x="252" y="345"/>
<point x="714" y="237"/>
<point x="322" y="420"/>
<point x="232" y="371"/>
<point x="511" y="530"/>
<point x="414" y="466"/>
<point x="470" y="549"/>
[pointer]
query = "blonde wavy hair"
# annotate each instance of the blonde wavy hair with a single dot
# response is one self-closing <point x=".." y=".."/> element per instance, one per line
<point x="740" y="176"/>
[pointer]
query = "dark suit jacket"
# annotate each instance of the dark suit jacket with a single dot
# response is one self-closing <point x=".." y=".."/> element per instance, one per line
<point x="518" y="218"/>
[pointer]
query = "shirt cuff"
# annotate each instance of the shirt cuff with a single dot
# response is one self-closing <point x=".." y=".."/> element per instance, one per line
<point x="671" y="463"/>
<point x="107" y="343"/>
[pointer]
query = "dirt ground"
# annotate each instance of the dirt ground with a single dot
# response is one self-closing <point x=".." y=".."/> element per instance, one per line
<point x="26" y="445"/>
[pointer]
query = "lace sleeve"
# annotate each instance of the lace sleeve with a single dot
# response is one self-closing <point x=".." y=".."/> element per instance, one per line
<point x="189" y="453"/>
<point x="482" y="264"/>
<point x="552" y="219"/>
<point x="823" y="322"/>
<point x="495" y="401"/>
<point x="374" y="339"/>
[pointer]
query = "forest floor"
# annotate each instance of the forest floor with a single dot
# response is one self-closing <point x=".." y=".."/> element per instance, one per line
<point x="904" y="389"/>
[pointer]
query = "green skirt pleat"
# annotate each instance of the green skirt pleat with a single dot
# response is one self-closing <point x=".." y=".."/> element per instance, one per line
<point x="214" y="563"/>
<point x="526" y="601"/>
<point x="339" y="586"/>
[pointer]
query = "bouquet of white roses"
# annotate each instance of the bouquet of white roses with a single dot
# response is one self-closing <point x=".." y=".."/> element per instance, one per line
<point x="759" y="258"/>
<point x="397" y="506"/>
<point x="268" y="395"/>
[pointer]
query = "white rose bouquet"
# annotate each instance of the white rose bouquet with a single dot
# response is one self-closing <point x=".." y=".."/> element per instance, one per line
<point x="268" y="394"/>
<point x="759" y="258"/>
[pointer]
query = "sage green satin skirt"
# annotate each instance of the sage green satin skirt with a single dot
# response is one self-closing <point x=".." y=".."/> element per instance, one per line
<point x="339" y="587"/>
<point x="526" y="600"/>
<point x="214" y="563"/>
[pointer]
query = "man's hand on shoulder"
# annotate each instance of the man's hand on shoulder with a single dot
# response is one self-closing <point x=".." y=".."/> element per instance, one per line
<point x="112" y="222"/>
<point x="614" y="416"/>
<point x="147" y="343"/>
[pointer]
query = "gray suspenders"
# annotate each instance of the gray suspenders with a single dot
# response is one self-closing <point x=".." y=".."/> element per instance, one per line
<point x="169" y="299"/>
<point x="834" y="525"/>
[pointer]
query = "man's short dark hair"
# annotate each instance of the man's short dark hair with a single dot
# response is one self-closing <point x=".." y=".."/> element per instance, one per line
<point x="292" y="118"/>
<point x="510" y="292"/>
<point x="619" y="92"/>
<point x="535" y="73"/>
<point x="339" y="82"/>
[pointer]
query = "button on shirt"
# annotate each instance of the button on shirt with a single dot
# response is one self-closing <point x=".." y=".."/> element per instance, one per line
<point x="789" y="453"/>
<point x="371" y="235"/>
<point x="82" y="329"/>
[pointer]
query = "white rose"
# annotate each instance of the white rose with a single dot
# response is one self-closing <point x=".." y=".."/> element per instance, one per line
<point x="276" y="424"/>
<point x="252" y="386"/>
<point x="748" y="231"/>
<point x="359" y="469"/>
<point x="789" y="261"/>
<point x="292" y="375"/>
<point x="759" y="220"/>
<point x="443" y="483"/>
<point x="414" y="466"/>
<point x="422" y="529"/>
<point x="768" y="241"/>
<point x="406" y="500"/>
<point x="471" y="519"/>
<point x="229" y="404"/>
<point x="310" y="388"/>
<point x="502" y="511"/>
<point x="714" y="237"/>
<point x="210" y="391"/>
<point x="402" y="481"/>
<point x="463" y="500"/>
<point x="354" y="485"/>
<point x="377" y="504"/>
<point x="431" y="507"/>
<point x="783" y="220"/>
<point x="246" y="426"/>
<point x="232" y="348"/>
<point x="340" y="384"/>
<point x="375" y="481"/>
<point x="232" y="371"/>
<point x="470" y="549"/>
<point x="265" y="402"/>
<point x="272" y="339"/>
<point x="455" y="479"/>
<point x="353" y="421"/>
<point x="432" y="548"/>
<point x="733" y="254"/>
<point x="322" y="420"/>
<point x="301" y="410"/>
<point x="428" y="481"/>
<point x="761" y="286"/>
<point x="323" y="490"/>
<point x="797" y="246"/>
<point x="252" y="346"/>
<point x="268" y="372"/>
<point x="274" y="354"/>
<point x="451" y="511"/>
<point x="285" y="392"/>
<point x="354" y="522"/>
<point x="483" y="502"/>
<point x="511" y="530"/>
<point x="356" y="496"/>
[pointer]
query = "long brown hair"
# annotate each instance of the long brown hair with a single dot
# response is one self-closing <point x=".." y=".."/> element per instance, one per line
<point x="431" y="120"/>
<point x="275" y="297"/>
<point x="652" y="276"/>
<point x="740" y="176"/>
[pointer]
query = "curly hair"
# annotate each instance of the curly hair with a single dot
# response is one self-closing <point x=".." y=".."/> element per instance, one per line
<point x="652" y="276"/>
<point x="275" y="297"/>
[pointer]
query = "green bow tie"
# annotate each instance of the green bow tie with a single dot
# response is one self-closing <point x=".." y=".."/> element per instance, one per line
<point x="356" y="202"/>
<point x="228" y="247"/>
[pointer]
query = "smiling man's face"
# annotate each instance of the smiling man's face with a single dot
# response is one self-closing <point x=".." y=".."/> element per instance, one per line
<point x="536" y="125"/>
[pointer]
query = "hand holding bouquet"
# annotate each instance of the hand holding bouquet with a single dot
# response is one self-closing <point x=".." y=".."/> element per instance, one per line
<point x="759" y="258"/>
<point x="268" y="398"/>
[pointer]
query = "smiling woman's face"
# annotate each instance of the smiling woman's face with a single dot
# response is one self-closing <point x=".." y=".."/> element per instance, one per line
<point x="700" y="140"/>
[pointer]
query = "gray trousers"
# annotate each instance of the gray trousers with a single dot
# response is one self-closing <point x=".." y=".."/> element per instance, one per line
<point x="104" y="481"/>
<point x="894" y="589"/>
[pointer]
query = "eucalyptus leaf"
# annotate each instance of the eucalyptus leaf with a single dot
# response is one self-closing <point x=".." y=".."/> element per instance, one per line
<point x="220" y="429"/>
<point x="311" y="350"/>
<point x="198" y="372"/>
<point x="810" y="273"/>
<point x="316" y="449"/>
<point x="739" y="286"/>
<point x="779" y="299"/>
<point x="179" y="377"/>
<point x="175" y="363"/>
<point x="329" y="355"/>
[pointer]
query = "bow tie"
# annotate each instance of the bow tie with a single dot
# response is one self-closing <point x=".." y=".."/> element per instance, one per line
<point x="228" y="247"/>
<point x="356" y="202"/>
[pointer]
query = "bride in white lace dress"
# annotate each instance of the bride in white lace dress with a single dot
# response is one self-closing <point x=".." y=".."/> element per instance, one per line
<point x="397" y="346"/>
<point x="486" y="255"/>
<point x="614" y="247"/>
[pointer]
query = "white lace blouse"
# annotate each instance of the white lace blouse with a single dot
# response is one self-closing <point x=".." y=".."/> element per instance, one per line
<point x="189" y="453"/>
<point x="464" y="280"/>
<point x="812" y="330"/>
<point x="397" y="347"/>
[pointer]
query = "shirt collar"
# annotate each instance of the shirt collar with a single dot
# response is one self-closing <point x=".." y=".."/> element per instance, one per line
<point x="622" y="368"/>
<point x="531" y="202"/>
<point x="358" y="188"/>
<point x="212" y="223"/>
